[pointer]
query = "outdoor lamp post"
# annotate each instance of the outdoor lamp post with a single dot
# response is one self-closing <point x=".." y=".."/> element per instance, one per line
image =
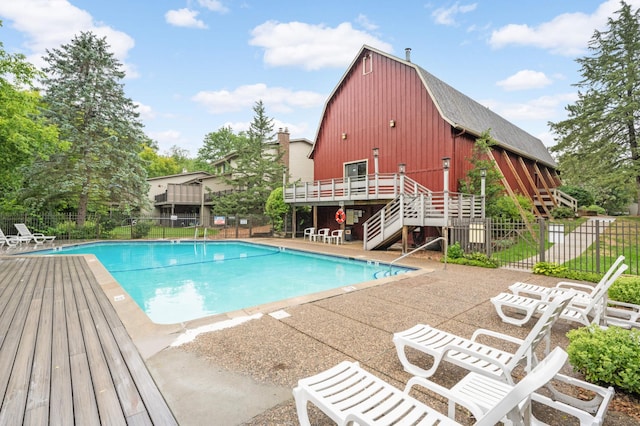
<point x="446" y="163"/>
<point x="402" y="168"/>
<point x="376" y="152"/>
<point x="483" y="185"/>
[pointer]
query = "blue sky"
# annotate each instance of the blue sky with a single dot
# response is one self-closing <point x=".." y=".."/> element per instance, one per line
<point x="194" y="66"/>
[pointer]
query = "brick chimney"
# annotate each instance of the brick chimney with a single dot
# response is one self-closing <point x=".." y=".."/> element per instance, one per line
<point x="283" y="142"/>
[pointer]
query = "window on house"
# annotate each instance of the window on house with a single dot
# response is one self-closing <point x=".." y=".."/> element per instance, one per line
<point x="355" y="170"/>
<point x="367" y="64"/>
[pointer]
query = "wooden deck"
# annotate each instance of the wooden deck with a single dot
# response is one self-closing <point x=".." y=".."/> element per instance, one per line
<point x="65" y="357"/>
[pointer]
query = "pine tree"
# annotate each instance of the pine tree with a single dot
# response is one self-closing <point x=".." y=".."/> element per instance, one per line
<point x="256" y="164"/>
<point x="86" y="100"/>
<point x="598" y="143"/>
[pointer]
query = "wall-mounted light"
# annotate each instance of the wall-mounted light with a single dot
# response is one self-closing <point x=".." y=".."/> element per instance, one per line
<point x="392" y="123"/>
<point x="376" y="151"/>
<point x="344" y="136"/>
<point x="402" y="168"/>
<point x="446" y="162"/>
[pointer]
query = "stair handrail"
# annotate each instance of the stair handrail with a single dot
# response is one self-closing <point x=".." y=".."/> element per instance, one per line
<point x="420" y="248"/>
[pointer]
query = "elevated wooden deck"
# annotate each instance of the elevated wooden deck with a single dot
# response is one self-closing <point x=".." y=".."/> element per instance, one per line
<point x="65" y="357"/>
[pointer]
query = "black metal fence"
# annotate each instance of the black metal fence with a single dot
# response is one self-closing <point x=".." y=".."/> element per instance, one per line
<point x="588" y="245"/>
<point x="65" y="227"/>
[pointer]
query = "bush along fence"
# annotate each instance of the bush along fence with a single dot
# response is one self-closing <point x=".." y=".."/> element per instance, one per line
<point x="583" y="244"/>
<point x="64" y="227"/>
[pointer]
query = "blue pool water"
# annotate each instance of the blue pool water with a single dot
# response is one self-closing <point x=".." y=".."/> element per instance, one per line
<point x="177" y="282"/>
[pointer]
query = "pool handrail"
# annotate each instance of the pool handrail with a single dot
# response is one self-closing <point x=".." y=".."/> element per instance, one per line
<point x="420" y="248"/>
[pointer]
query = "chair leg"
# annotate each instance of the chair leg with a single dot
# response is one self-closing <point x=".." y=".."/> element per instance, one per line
<point x="301" y="407"/>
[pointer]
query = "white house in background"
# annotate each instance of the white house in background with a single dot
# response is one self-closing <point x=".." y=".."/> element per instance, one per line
<point x="190" y="195"/>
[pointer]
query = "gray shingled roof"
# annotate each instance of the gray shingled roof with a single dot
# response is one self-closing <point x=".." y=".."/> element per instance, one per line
<point x="462" y="111"/>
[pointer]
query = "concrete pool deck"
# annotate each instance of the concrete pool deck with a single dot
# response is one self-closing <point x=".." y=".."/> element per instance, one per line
<point x="243" y="374"/>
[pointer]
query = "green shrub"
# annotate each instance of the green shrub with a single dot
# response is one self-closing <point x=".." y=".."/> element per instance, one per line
<point x="626" y="289"/>
<point x="505" y="209"/>
<point x="456" y="255"/>
<point x="595" y="209"/>
<point x="560" y="271"/>
<point x="607" y="356"/>
<point x="454" y="251"/>
<point x="140" y="229"/>
<point x="563" y="212"/>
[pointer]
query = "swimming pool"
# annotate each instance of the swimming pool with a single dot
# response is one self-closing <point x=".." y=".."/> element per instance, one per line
<point x="180" y="281"/>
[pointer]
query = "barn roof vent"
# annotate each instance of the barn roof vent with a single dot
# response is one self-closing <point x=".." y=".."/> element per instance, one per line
<point x="407" y="53"/>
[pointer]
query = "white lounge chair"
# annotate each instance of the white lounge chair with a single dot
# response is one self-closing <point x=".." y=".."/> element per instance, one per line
<point x="36" y="237"/>
<point x="322" y="235"/>
<point x="476" y="356"/>
<point x="584" y="292"/>
<point x="348" y="394"/>
<point x="335" y="236"/>
<point x="12" y="240"/>
<point x="622" y="314"/>
<point x="518" y="310"/>
<point x="308" y="233"/>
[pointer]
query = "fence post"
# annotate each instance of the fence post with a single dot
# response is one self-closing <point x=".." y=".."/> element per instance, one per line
<point x="597" y="246"/>
<point x="542" y="224"/>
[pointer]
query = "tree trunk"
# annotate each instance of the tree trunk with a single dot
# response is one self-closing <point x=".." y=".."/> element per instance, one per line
<point x="83" y="203"/>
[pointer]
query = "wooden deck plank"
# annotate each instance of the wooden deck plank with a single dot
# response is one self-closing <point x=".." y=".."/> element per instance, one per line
<point x="61" y="394"/>
<point x="15" y="396"/>
<point x="11" y="294"/>
<point x="83" y="397"/>
<point x="37" y="408"/>
<point x="130" y="399"/>
<point x="104" y="389"/>
<point x="12" y="323"/>
<point x="65" y="357"/>
<point x="153" y="399"/>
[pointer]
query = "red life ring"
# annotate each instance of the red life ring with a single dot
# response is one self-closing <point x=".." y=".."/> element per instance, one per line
<point x="340" y="216"/>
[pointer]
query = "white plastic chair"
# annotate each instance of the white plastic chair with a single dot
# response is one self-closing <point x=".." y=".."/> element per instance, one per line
<point x="584" y="292"/>
<point x="36" y="237"/>
<point x="518" y="310"/>
<point x="335" y="236"/>
<point x="321" y="235"/>
<point x="347" y="394"/>
<point x="473" y="355"/>
<point x="308" y="233"/>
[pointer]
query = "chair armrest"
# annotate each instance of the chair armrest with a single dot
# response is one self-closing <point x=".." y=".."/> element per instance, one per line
<point x="569" y="285"/>
<point x="590" y="411"/>
<point x="484" y="332"/>
<point x="506" y="372"/>
<point x="461" y="400"/>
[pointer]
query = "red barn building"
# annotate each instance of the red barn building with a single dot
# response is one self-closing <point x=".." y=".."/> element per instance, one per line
<point x="384" y="133"/>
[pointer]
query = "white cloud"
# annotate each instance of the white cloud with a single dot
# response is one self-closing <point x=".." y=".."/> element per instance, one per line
<point x="546" y="108"/>
<point x="311" y="47"/>
<point x="447" y="16"/>
<point x="48" y="24"/>
<point x="168" y="138"/>
<point x="277" y="99"/>
<point x="525" y="79"/>
<point x="364" y="21"/>
<point x="145" y="111"/>
<point x="213" y="5"/>
<point x="566" y="34"/>
<point x="184" y="18"/>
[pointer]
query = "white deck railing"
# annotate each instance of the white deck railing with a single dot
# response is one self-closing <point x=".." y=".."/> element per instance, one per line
<point x="433" y="209"/>
<point x="369" y="187"/>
